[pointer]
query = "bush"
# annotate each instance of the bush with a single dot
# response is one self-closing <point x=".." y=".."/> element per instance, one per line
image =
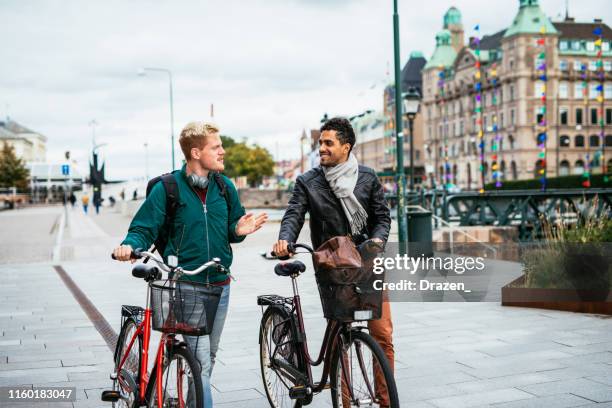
<point x="572" y="256"/>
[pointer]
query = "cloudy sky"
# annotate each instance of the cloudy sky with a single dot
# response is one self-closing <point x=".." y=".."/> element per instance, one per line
<point x="270" y="67"/>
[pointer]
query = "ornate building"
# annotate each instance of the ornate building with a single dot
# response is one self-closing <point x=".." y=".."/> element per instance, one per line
<point x="531" y="101"/>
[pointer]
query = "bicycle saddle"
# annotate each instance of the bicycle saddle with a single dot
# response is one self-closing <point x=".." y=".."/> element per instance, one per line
<point x="289" y="268"/>
<point x="146" y="272"/>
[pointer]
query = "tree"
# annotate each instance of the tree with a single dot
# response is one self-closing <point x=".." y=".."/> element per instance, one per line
<point x="242" y="160"/>
<point x="13" y="172"/>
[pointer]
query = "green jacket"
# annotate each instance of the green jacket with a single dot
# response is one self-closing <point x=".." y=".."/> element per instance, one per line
<point x="199" y="232"/>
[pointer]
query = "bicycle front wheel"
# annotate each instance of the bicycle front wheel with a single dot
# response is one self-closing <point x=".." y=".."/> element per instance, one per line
<point x="127" y="378"/>
<point x="281" y="363"/>
<point x="360" y="373"/>
<point x="181" y="383"/>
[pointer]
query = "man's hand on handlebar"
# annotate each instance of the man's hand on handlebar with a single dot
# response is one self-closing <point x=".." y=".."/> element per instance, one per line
<point x="123" y="253"/>
<point x="281" y="249"/>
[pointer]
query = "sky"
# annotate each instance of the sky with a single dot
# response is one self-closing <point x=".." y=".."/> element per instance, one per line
<point x="271" y="68"/>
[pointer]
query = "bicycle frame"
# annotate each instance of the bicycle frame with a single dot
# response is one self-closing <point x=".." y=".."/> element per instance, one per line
<point x="144" y="329"/>
<point x="330" y="339"/>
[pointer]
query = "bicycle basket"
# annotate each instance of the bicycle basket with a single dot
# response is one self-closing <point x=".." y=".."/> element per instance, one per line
<point x="184" y="307"/>
<point x="346" y="283"/>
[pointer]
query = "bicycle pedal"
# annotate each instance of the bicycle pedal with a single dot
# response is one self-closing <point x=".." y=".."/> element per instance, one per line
<point x="111" y="396"/>
<point x="299" y="392"/>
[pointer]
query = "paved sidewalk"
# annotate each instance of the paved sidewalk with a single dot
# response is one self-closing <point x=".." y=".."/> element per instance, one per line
<point x="448" y="354"/>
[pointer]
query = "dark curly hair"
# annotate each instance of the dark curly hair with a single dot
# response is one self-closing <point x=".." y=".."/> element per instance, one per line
<point x="343" y="128"/>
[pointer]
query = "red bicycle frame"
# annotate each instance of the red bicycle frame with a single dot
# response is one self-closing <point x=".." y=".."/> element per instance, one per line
<point x="144" y="329"/>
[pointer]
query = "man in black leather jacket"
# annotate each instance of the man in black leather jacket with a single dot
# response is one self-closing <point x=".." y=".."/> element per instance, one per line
<point x="329" y="214"/>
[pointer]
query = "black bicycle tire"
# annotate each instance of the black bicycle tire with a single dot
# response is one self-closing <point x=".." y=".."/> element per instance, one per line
<point x="195" y="369"/>
<point x="369" y="341"/>
<point x="121" y="340"/>
<point x="285" y="314"/>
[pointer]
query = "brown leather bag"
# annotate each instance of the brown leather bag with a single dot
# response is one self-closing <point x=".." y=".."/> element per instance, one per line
<point x="345" y="282"/>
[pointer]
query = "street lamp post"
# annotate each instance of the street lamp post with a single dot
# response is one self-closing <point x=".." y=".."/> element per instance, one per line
<point x="399" y="139"/>
<point x="143" y="72"/>
<point x="411" y="102"/>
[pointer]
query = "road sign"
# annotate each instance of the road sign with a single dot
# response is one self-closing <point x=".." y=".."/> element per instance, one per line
<point x="65" y="169"/>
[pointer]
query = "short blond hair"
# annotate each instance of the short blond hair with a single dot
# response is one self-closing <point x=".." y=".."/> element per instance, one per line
<point x="194" y="134"/>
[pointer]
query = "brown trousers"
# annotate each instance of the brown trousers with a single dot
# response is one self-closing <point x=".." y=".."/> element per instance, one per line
<point x="382" y="331"/>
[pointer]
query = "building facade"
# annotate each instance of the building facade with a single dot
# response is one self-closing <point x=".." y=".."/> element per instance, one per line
<point x="29" y="145"/>
<point x="529" y="101"/>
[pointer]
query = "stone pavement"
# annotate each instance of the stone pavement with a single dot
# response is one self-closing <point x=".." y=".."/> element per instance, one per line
<point x="448" y="354"/>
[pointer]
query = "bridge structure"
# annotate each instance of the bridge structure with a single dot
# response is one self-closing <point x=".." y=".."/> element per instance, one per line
<point x="528" y="210"/>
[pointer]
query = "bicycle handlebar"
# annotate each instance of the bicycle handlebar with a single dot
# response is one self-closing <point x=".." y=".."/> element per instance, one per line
<point x="292" y="247"/>
<point x="137" y="254"/>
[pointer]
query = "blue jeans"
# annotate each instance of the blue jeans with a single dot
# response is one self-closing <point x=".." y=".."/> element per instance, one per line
<point x="207" y="346"/>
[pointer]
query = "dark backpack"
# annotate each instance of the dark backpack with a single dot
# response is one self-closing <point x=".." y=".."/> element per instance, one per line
<point x="173" y="202"/>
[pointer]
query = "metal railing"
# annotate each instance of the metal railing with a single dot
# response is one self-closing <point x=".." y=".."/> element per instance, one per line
<point x="452" y="229"/>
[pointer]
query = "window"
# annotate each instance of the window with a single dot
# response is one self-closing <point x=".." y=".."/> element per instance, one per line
<point x="608" y="91"/>
<point x="512" y="118"/>
<point x="511" y="92"/>
<point x="461" y="130"/>
<point x="592" y="65"/>
<point x="485" y="123"/>
<point x="608" y="116"/>
<point x="511" y="139"/>
<point x="576" y="45"/>
<point x="608" y="140"/>
<point x="564" y="168"/>
<point x="579" y="141"/>
<point x="590" y="46"/>
<point x="579" y="167"/>
<point x="563" y="45"/>
<point x="501" y="143"/>
<point x="605" y="46"/>
<point x="593" y="116"/>
<point x="564" y="141"/>
<point x="579" y="116"/>
<point x="513" y="169"/>
<point x="593" y="92"/>
<point x="607" y="65"/>
<point x="563" y="65"/>
<point x="538" y="88"/>
<point x="577" y="65"/>
<point x="578" y="90"/>
<point x="563" y="90"/>
<point x="594" y="141"/>
<point x="501" y="119"/>
<point x="563" y="115"/>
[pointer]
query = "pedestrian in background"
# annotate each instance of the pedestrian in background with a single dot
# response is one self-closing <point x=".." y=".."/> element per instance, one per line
<point x="85" y="201"/>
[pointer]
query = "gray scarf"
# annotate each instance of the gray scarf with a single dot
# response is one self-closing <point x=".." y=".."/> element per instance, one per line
<point x="342" y="179"/>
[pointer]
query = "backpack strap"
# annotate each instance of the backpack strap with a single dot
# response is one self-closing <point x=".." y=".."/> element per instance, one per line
<point x="172" y="203"/>
<point x="223" y="187"/>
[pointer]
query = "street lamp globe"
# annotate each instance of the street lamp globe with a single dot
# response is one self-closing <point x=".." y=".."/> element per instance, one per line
<point x="411" y="102"/>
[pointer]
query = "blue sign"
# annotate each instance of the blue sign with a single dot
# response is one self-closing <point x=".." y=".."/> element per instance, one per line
<point x="65" y="169"/>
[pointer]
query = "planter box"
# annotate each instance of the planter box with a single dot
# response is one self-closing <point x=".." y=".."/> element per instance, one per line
<point x="571" y="300"/>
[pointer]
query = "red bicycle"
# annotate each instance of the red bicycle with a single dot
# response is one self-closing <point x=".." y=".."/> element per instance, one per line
<point x="173" y="307"/>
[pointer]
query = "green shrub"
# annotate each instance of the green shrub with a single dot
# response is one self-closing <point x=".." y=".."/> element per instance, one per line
<point x="572" y="256"/>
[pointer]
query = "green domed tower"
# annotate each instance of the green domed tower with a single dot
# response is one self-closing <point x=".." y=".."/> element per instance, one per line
<point x="444" y="54"/>
<point x="529" y="20"/>
<point x="453" y="23"/>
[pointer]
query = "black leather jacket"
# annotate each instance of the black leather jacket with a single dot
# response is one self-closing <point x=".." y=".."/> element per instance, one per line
<point x="327" y="219"/>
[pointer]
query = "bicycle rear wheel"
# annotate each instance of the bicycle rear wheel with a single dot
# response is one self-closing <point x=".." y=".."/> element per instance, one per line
<point x="360" y="374"/>
<point x="181" y="382"/>
<point x="280" y="360"/>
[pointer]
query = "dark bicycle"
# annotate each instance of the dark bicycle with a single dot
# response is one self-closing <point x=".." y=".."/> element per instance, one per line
<point x="358" y="370"/>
